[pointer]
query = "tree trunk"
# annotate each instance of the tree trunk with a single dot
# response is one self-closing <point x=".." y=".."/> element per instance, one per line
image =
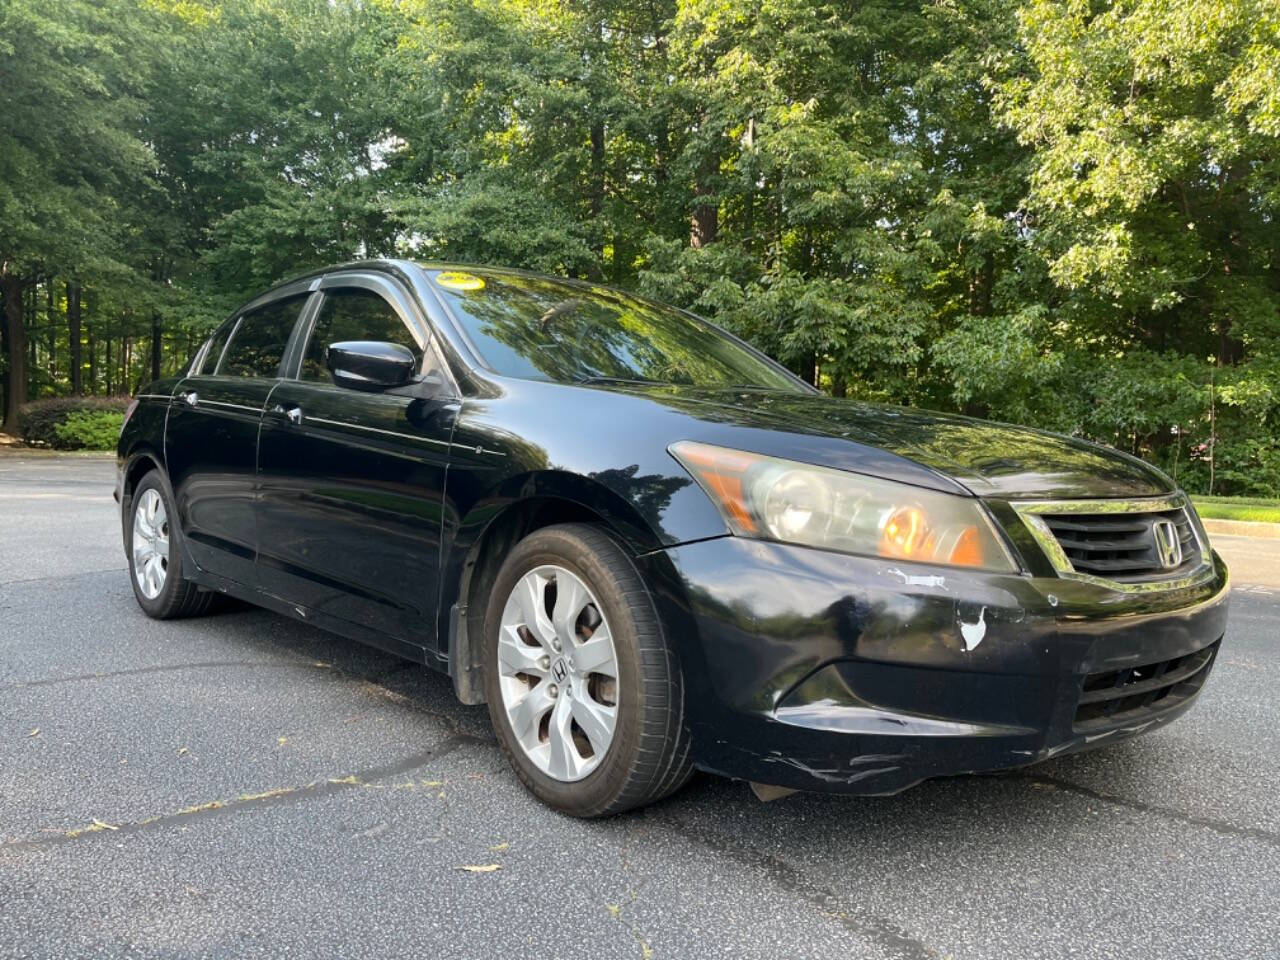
<point x="4" y="367"/>
<point x="92" y="346"/>
<point x="706" y="207"/>
<point x="155" y="346"/>
<point x="33" y="343"/>
<point x="808" y="371"/>
<point x="73" y="338"/>
<point x="107" y="364"/>
<point x="51" y="332"/>
<point x="596" y="196"/>
<point x="11" y="289"/>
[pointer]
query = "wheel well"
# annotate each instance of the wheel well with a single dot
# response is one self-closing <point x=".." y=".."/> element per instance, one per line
<point x="483" y="561"/>
<point x="139" y="468"/>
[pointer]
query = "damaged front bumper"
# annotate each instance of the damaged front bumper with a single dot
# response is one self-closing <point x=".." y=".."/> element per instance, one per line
<point x="819" y="671"/>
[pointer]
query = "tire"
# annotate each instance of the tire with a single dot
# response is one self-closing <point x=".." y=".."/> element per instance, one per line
<point x="174" y="595"/>
<point x="646" y="754"/>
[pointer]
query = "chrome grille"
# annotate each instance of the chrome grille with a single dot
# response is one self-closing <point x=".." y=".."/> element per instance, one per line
<point x="1148" y="544"/>
<point x="1123" y="547"/>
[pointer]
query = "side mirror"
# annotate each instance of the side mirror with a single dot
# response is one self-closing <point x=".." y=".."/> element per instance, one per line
<point x="370" y="364"/>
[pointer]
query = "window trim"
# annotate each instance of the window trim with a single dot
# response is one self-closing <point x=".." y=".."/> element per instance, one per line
<point x="235" y="328"/>
<point x="261" y="303"/>
<point x="395" y="296"/>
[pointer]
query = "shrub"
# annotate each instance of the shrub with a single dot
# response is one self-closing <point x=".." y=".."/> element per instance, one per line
<point x="39" y="421"/>
<point x="90" y="429"/>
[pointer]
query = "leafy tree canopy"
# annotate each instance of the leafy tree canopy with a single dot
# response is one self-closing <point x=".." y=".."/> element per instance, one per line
<point x="1059" y="212"/>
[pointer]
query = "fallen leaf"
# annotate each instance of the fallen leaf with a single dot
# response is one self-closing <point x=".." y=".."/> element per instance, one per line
<point x="211" y="805"/>
<point x="499" y="847"/>
<point x="481" y="868"/>
<point x="35" y="732"/>
<point x="277" y="792"/>
<point x="181" y="751"/>
<point x="282" y="740"/>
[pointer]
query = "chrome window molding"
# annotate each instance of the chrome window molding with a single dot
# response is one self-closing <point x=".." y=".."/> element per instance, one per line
<point x="1031" y="511"/>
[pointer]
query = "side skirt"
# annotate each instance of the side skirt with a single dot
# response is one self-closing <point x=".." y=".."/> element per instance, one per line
<point x="344" y="628"/>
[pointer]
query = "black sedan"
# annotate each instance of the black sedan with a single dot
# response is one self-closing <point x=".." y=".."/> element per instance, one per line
<point x="649" y="549"/>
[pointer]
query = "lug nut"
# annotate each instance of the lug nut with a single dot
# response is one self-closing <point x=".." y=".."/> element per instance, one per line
<point x="544" y="662"/>
<point x="553" y="691"/>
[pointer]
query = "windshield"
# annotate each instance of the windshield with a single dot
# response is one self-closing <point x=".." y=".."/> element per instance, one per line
<point x="540" y="329"/>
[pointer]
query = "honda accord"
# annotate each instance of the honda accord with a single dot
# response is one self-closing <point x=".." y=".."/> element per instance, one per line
<point x="650" y="549"/>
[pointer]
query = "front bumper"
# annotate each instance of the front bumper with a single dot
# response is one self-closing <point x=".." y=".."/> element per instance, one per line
<point x="819" y="671"/>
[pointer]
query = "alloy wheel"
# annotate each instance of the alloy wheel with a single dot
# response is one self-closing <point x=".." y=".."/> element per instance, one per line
<point x="558" y="673"/>
<point x="150" y="544"/>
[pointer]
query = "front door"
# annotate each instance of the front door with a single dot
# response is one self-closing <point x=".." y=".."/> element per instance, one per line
<point x="351" y="482"/>
<point x="211" y="438"/>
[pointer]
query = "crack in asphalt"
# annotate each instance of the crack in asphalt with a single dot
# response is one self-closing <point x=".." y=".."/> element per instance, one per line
<point x="296" y="663"/>
<point x="1217" y="826"/>
<point x="884" y="934"/>
<point x="171" y="667"/>
<point x="64" y="576"/>
<point x="277" y="797"/>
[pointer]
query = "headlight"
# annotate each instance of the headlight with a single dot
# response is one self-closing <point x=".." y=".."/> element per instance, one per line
<point x="773" y="499"/>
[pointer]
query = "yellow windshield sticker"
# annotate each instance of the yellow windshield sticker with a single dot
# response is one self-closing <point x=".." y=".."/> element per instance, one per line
<point x="455" y="280"/>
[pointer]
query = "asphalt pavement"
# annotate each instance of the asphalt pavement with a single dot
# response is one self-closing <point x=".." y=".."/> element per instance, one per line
<point x="241" y="785"/>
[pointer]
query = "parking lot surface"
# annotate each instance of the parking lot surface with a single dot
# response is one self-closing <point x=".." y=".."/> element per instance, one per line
<point x="243" y="785"/>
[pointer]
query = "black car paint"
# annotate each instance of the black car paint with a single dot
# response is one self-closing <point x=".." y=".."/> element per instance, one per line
<point x="803" y="668"/>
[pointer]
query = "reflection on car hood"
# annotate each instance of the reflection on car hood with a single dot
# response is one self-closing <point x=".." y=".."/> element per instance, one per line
<point x="989" y="459"/>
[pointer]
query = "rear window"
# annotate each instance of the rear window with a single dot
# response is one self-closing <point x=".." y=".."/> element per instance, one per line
<point x="209" y="362"/>
<point x="258" y="345"/>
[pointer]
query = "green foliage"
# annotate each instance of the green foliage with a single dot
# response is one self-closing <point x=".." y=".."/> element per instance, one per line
<point x="90" y="430"/>
<point x="1054" y="212"/>
<point x="1239" y="508"/>
<point x="73" y="423"/>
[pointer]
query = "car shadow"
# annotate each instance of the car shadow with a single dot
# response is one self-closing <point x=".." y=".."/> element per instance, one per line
<point x="1009" y="805"/>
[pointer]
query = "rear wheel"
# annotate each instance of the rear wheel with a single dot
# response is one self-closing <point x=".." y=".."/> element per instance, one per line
<point x="155" y="555"/>
<point x="583" y="690"/>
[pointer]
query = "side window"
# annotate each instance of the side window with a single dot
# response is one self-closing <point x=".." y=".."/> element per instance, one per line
<point x="353" y="314"/>
<point x="216" y="343"/>
<point x="259" y="341"/>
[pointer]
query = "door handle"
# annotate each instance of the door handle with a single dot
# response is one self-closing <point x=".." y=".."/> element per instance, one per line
<point x="191" y="397"/>
<point x="293" y="414"/>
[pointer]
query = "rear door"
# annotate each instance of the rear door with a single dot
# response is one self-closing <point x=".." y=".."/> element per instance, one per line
<point x="212" y="433"/>
<point x="352" y="482"/>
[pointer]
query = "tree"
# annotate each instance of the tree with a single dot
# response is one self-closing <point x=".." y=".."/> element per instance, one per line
<point x="68" y="73"/>
<point x="1153" y="200"/>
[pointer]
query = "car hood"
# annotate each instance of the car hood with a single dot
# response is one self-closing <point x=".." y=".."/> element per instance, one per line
<point x="988" y="459"/>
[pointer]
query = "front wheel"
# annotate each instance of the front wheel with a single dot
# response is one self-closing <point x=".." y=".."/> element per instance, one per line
<point x="583" y="690"/>
<point x="153" y="545"/>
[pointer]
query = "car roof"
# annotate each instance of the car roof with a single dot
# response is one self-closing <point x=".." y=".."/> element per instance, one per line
<point x="396" y="264"/>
